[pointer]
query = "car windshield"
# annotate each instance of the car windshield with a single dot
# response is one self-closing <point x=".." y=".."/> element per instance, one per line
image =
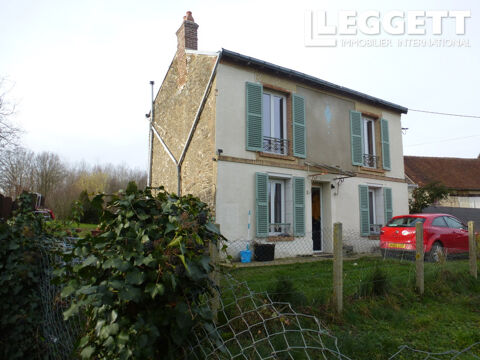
<point x="405" y="221"/>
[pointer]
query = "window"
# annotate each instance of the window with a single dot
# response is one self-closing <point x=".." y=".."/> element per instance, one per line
<point x="280" y="205"/>
<point x="375" y="208"/>
<point x="454" y="223"/>
<point x="439" y="222"/>
<point x="369" y="158"/>
<point x="405" y="221"/>
<point x="371" y="209"/>
<point x="366" y="146"/>
<point x="274" y="124"/>
<point x="266" y="114"/>
<point x="276" y="207"/>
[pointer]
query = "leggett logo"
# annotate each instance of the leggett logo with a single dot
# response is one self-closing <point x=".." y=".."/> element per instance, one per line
<point x="319" y="30"/>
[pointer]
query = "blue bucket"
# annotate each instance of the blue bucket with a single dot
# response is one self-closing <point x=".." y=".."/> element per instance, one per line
<point x="245" y="256"/>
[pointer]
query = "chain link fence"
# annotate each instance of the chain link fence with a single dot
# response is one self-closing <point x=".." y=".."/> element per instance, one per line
<point x="260" y="304"/>
<point x="362" y="256"/>
<point x="60" y="335"/>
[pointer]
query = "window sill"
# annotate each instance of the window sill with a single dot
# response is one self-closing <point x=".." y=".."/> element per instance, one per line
<point x="371" y="170"/>
<point x="277" y="156"/>
<point x="273" y="238"/>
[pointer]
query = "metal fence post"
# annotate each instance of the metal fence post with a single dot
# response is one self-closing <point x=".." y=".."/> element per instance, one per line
<point x="419" y="257"/>
<point x="215" y="277"/>
<point x="338" y="266"/>
<point x="472" y="249"/>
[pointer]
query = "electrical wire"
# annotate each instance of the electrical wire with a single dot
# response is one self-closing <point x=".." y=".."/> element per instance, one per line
<point x="444" y="140"/>
<point x="447" y="114"/>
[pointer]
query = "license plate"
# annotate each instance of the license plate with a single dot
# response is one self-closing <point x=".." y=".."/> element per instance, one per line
<point x="396" y="246"/>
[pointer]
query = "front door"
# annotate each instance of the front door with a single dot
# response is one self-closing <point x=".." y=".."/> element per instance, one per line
<point x="317" y="219"/>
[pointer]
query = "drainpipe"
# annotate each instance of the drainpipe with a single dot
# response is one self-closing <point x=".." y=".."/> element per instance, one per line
<point x="150" y="142"/>
<point x="179" y="179"/>
<point x="192" y="129"/>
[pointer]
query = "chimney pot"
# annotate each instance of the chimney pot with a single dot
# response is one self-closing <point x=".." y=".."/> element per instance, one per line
<point x="189" y="16"/>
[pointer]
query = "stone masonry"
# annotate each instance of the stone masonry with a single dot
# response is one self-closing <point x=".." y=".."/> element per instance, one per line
<point x="175" y="107"/>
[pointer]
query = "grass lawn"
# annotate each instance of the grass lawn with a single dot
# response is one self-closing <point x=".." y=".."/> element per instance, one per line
<point x="84" y="228"/>
<point x="382" y="311"/>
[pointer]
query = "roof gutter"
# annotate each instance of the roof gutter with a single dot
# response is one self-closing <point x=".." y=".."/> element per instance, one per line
<point x="311" y="80"/>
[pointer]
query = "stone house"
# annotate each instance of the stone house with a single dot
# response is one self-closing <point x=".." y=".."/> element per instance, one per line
<point x="461" y="176"/>
<point x="279" y="156"/>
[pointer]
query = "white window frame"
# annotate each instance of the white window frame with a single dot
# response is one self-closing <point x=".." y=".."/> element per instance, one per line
<point x="366" y="121"/>
<point x="282" y="183"/>
<point x="272" y="116"/>
<point x="373" y="211"/>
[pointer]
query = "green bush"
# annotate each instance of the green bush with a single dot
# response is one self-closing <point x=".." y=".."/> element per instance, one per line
<point x="284" y="290"/>
<point x="374" y="284"/>
<point x="20" y="267"/>
<point x="143" y="282"/>
<point x="91" y="210"/>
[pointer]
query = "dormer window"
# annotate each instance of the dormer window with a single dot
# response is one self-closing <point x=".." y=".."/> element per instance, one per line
<point x="274" y="123"/>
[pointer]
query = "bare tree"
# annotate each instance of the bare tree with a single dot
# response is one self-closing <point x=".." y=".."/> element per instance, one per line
<point x="49" y="172"/>
<point x="16" y="171"/>
<point x="9" y="134"/>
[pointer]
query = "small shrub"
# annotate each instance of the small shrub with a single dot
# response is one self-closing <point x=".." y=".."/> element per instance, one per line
<point x="284" y="290"/>
<point x="374" y="284"/>
<point x="91" y="209"/>
<point x="143" y="282"/>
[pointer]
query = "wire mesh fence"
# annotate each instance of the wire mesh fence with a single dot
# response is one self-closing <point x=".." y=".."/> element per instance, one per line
<point x="60" y="335"/>
<point x="252" y="325"/>
<point x="262" y="306"/>
<point x="365" y="260"/>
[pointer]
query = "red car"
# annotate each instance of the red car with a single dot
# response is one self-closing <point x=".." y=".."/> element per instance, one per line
<point x="442" y="234"/>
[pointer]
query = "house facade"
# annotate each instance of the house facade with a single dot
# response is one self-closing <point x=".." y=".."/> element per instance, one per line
<point x="279" y="156"/>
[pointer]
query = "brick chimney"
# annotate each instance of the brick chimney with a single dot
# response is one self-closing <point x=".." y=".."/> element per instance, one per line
<point x="187" y="34"/>
<point x="186" y="39"/>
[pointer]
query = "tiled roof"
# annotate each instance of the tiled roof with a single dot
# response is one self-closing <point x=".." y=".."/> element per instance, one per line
<point x="455" y="173"/>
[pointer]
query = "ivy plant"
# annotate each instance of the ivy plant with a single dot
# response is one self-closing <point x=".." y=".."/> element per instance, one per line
<point x="143" y="282"/>
<point x="20" y="271"/>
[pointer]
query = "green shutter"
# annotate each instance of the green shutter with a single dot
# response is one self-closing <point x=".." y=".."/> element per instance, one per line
<point x="385" y="145"/>
<point x="356" y="137"/>
<point x="388" y="205"/>
<point x="299" y="126"/>
<point x="261" y="204"/>
<point x="254" y="94"/>
<point x="364" y="211"/>
<point x="298" y="206"/>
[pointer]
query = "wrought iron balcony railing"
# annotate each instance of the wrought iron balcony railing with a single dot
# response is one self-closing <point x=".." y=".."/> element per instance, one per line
<point x="281" y="229"/>
<point x="370" y="161"/>
<point x="275" y="145"/>
<point x="375" y="229"/>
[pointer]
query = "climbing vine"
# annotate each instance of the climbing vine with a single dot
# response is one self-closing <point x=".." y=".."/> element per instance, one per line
<point x="141" y="284"/>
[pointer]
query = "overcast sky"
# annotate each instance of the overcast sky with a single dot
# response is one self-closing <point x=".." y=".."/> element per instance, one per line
<point x="79" y="71"/>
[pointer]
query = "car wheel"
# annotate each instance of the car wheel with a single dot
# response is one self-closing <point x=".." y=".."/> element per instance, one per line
<point x="436" y="252"/>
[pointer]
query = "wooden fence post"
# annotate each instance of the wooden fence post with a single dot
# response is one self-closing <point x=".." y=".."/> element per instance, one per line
<point x="419" y="257"/>
<point x="338" y="266"/>
<point x="472" y="249"/>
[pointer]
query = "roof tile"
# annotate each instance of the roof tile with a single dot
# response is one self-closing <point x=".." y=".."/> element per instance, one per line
<point x="455" y="173"/>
